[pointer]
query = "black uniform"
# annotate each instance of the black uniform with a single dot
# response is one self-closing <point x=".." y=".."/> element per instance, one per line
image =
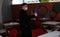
<point x="24" y="24"/>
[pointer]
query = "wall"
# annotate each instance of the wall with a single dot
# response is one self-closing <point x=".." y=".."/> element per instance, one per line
<point x="49" y="6"/>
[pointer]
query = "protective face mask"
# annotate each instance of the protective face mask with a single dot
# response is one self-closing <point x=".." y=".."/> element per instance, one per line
<point x="26" y="8"/>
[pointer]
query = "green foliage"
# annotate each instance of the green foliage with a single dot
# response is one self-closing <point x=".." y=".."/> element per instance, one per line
<point x="44" y="0"/>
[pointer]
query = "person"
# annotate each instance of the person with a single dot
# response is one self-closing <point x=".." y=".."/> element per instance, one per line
<point x="24" y="21"/>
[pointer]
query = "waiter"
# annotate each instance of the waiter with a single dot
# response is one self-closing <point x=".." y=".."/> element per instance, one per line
<point x="24" y="22"/>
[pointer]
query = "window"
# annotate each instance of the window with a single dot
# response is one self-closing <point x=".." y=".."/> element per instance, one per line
<point x="14" y="2"/>
<point x="31" y="1"/>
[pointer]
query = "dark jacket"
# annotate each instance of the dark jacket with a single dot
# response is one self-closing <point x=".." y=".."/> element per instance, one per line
<point x="24" y="18"/>
<point x="24" y="24"/>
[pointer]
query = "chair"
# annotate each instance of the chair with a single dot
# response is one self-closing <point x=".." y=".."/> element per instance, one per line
<point x="39" y="30"/>
<point x="59" y="29"/>
<point x="12" y="32"/>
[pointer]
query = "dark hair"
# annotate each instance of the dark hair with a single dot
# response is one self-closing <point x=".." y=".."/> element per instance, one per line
<point x="23" y="4"/>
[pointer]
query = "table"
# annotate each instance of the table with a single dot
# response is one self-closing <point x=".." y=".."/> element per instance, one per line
<point x="51" y="34"/>
<point x="51" y="23"/>
<point x="8" y="25"/>
<point x="1" y="36"/>
<point x="2" y="31"/>
<point x="11" y="24"/>
<point x="33" y="18"/>
<point x="44" y="18"/>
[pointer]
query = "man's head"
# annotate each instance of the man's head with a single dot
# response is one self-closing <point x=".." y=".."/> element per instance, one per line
<point x="24" y="6"/>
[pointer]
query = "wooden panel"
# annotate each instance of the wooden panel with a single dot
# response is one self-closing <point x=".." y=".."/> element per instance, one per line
<point x="16" y="10"/>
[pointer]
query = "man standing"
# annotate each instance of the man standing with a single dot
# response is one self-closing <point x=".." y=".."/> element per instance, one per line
<point x="24" y="21"/>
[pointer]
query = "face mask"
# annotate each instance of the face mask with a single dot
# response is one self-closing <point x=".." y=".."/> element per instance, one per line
<point x="26" y="8"/>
